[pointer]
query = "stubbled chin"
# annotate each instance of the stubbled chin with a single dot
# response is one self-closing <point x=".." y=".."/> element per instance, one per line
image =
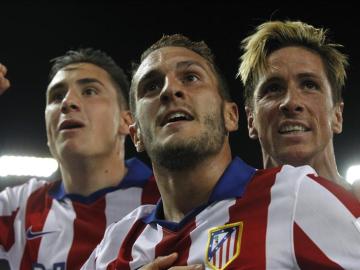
<point x="295" y="156"/>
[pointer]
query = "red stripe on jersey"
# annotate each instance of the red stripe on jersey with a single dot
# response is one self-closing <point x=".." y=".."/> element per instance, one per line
<point x="150" y="193"/>
<point x="179" y="241"/>
<point x="220" y="257"/>
<point x="124" y="256"/>
<point x="346" y="197"/>
<point x="305" y="249"/>
<point x="90" y="218"/>
<point x="7" y="236"/>
<point x="37" y="209"/>
<point x="252" y="210"/>
<point x="228" y="245"/>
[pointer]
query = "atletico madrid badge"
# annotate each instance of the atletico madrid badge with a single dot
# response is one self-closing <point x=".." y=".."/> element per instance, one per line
<point x="223" y="245"/>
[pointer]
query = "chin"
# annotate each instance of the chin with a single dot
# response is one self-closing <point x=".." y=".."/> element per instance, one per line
<point x="298" y="158"/>
<point x="71" y="150"/>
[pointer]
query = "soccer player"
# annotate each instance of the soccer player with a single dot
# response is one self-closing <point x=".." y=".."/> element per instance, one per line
<point x="56" y="225"/>
<point x="215" y="210"/>
<point x="293" y="102"/>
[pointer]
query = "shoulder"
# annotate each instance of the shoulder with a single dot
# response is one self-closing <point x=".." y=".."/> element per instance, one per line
<point x="24" y="191"/>
<point x="117" y="232"/>
<point x="127" y="221"/>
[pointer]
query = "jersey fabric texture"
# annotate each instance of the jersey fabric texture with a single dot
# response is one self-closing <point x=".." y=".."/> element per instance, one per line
<point x="274" y="219"/>
<point x="42" y="227"/>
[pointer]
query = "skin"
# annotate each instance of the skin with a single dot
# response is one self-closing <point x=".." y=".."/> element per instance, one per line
<point x="86" y="128"/>
<point x="165" y="83"/>
<point x="164" y="262"/>
<point x="4" y="82"/>
<point x="293" y="114"/>
<point x="170" y="80"/>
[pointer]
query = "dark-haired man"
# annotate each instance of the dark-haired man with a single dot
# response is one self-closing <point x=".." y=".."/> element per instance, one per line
<point x="56" y="225"/>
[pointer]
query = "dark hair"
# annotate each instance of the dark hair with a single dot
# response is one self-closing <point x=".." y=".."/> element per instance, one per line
<point x="100" y="59"/>
<point x="179" y="40"/>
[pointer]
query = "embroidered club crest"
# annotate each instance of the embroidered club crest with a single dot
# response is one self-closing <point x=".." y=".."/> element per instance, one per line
<point x="223" y="245"/>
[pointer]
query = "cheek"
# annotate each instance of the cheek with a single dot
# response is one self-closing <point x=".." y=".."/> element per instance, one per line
<point x="50" y="118"/>
<point x="147" y="111"/>
<point x="265" y="118"/>
<point x="324" y="115"/>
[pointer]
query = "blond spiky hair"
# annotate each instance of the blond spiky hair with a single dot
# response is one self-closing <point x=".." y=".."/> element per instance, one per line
<point x="274" y="35"/>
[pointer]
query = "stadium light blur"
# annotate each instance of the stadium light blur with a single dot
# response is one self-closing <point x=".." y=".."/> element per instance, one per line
<point x="27" y="166"/>
<point x="353" y="173"/>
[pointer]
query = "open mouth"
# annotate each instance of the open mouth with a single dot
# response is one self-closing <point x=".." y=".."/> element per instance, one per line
<point x="294" y="128"/>
<point x="175" y="117"/>
<point x="70" y="124"/>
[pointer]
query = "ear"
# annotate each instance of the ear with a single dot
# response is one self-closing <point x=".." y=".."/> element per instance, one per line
<point x="231" y="116"/>
<point x="136" y="137"/>
<point x="253" y="133"/>
<point x="337" y="118"/>
<point x="125" y="121"/>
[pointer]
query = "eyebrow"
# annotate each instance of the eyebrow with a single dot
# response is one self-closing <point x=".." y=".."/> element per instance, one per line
<point x="180" y="65"/>
<point x="82" y="81"/>
<point x="276" y="76"/>
<point x="186" y="64"/>
<point x="308" y="75"/>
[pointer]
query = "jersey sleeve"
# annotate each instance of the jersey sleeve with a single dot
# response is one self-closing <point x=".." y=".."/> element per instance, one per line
<point x="106" y="253"/>
<point x="326" y="226"/>
<point x="12" y="217"/>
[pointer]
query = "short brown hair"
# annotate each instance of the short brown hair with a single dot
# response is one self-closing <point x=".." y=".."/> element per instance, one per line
<point x="178" y="40"/>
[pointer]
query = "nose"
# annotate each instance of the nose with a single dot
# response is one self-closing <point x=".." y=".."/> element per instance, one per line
<point x="171" y="90"/>
<point x="70" y="102"/>
<point x="292" y="102"/>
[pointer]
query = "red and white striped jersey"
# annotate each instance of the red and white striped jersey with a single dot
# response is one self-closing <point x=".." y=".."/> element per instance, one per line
<point x="275" y="219"/>
<point x="42" y="227"/>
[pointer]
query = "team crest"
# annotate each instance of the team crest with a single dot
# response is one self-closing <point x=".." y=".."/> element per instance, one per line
<point x="223" y="245"/>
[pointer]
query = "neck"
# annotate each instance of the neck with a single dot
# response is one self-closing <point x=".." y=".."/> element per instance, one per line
<point x="85" y="175"/>
<point x="182" y="191"/>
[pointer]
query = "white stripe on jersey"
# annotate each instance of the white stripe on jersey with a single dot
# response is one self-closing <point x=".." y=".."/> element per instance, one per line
<point x="60" y="239"/>
<point x="121" y="202"/>
<point x="118" y="231"/>
<point x="13" y="255"/>
<point x="204" y="221"/>
<point x="143" y="250"/>
<point x="279" y="232"/>
<point x="12" y="198"/>
<point x="324" y="230"/>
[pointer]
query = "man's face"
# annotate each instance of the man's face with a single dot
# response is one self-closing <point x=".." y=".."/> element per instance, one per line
<point x="293" y="113"/>
<point x="82" y="112"/>
<point x="179" y="111"/>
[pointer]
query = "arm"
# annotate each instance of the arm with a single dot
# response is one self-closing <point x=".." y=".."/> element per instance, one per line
<point x="4" y="83"/>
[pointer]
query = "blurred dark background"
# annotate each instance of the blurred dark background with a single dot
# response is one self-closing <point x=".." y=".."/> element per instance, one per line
<point x="33" y="33"/>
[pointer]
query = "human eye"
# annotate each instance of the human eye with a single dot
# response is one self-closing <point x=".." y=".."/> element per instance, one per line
<point x="89" y="91"/>
<point x="152" y="86"/>
<point x="272" y="89"/>
<point x="56" y="96"/>
<point x="190" y="77"/>
<point x="310" y="85"/>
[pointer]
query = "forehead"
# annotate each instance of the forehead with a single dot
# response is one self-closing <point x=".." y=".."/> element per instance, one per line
<point x="74" y="72"/>
<point x="167" y="59"/>
<point x="296" y="59"/>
